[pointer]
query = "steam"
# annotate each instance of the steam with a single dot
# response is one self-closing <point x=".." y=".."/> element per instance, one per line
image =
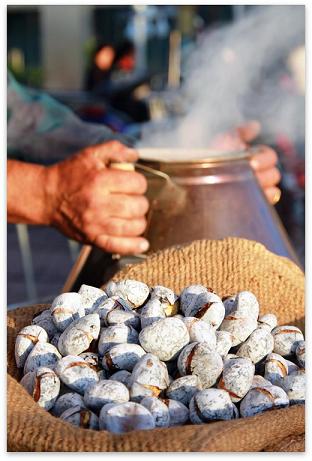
<point x="237" y="73"/>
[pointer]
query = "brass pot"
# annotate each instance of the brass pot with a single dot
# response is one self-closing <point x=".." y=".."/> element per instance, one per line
<point x="217" y="196"/>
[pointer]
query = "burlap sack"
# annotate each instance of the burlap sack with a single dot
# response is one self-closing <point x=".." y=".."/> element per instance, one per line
<point x="228" y="266"/>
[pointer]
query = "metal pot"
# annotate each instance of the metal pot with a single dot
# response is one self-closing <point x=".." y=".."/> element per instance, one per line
<point x="217" y="196"/>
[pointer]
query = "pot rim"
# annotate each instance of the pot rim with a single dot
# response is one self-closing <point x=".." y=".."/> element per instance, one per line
<point x="205" y="156"/>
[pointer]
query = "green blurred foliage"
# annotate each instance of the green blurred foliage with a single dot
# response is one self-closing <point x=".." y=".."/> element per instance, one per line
<point x="30" y="76"/>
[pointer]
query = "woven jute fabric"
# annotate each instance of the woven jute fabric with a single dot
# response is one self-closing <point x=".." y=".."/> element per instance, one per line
<point x="227" y="266"/>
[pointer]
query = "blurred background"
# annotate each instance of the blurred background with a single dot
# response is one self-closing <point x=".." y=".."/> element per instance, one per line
<point x="122" y="67"/>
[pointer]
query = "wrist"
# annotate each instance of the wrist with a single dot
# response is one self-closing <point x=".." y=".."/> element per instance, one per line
<point x="50" y="194"/>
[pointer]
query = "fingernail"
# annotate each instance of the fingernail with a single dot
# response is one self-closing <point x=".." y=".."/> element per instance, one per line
<point x="254" y="164"/>
<point x="144" y="245"/>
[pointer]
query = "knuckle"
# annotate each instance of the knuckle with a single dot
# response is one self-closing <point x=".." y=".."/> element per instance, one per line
<point x="141" y="226"/>
<point x="139" y="206"/>
<point x="124" y="206"/>
<point x="108" y="243"/>
<point x="134" y="227"/>
<point x="111" y="244"/>
<point x="116" y="228"/>
<point x="145" y="205"/>
<point x="141" y="182"/>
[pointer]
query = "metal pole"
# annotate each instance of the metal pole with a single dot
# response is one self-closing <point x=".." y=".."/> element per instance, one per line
<point x="23" y="240"/>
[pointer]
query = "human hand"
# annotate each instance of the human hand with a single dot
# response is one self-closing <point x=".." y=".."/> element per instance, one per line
<point x="263" y="160"/>
<point x="97" y="205"/>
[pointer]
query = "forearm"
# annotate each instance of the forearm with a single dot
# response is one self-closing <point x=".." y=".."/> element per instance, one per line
<point x="43" y="130"/>
<point x="28" y="193"/>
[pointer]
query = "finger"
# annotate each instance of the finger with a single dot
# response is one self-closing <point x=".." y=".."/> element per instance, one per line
<point x="118" y="227"/>
<point x="113" y="151"/>
<point x="249" y="131"/>
<point x="127" y="206"/>
<point x="264" y="158"/>
<point x="122" y="182"/>
<point x="228" y="141"/>
<point x="268" y="178"/>
<point x="121" y="245"/>
<point x="273" y="194"/>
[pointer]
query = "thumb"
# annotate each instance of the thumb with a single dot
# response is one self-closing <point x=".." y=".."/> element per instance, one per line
<point x="249" y="131"/>
<point x="112" y="151"/>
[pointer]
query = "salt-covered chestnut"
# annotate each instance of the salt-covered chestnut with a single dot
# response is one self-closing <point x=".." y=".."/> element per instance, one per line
<point x="54" y="341"/>
<point x="164" y="338"/>
<point x="286" y="339"/>
<point x="123" y="376"/>
<point x="106" y="306"/>
<point x="139" y="391"/>
<point x="102" y="374"/>
<point x="211" y="404"/>
<point x="292" y="367"/>
<point x="260" y="399"/>
<point x="65" y="308"/>
<point x="91" y="298"/>
<point x="106" y="391"/>
<point x="229" y="303"/>
<point x="224" y="342"/>
<point x="268" y="321"/>
<point x="300" y="353"/>
<point x="116" y="334"/>
<point x="126" y="417"/>
<point x="79" y="335"/>
<point x="158" y="409"/>
<point x="199" y="359"/>
<point x="200" y="331"/>
<point x="168" y="299"/>
<point x="149" y="374"/>
<point x="191" y="297"/>
<point x="197" y="301"/>
<point x="43" y="385"/>
<point x="184" y="388"/>
<point x="239" y="327"/>
<point x="122" y="357"/>
<point x="237" y="377"/>
<point x="241" y="312"/>
<point x="259" y="344"/>
<point x="81" y="417"/>
<point x="276" y="368"/>
<point x="102" y="415"/>
<point x="294" y="386"/>
<point x="178" y="413"/>
<point x="92" y="358"/>
<point x="119" y="315"/>
<point x="42" y="355"/>
<point x="133" y="292"/>
<point x="75" y="373"/>
<point x="65" y="401"/>
<point x="246" y="305"/>
<point x="151" y="312"/>
<point x="242" y="320"/>
<point x="260" y="381"/>
<point x="26" y="340"/>
<point x="45" y="320"/>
